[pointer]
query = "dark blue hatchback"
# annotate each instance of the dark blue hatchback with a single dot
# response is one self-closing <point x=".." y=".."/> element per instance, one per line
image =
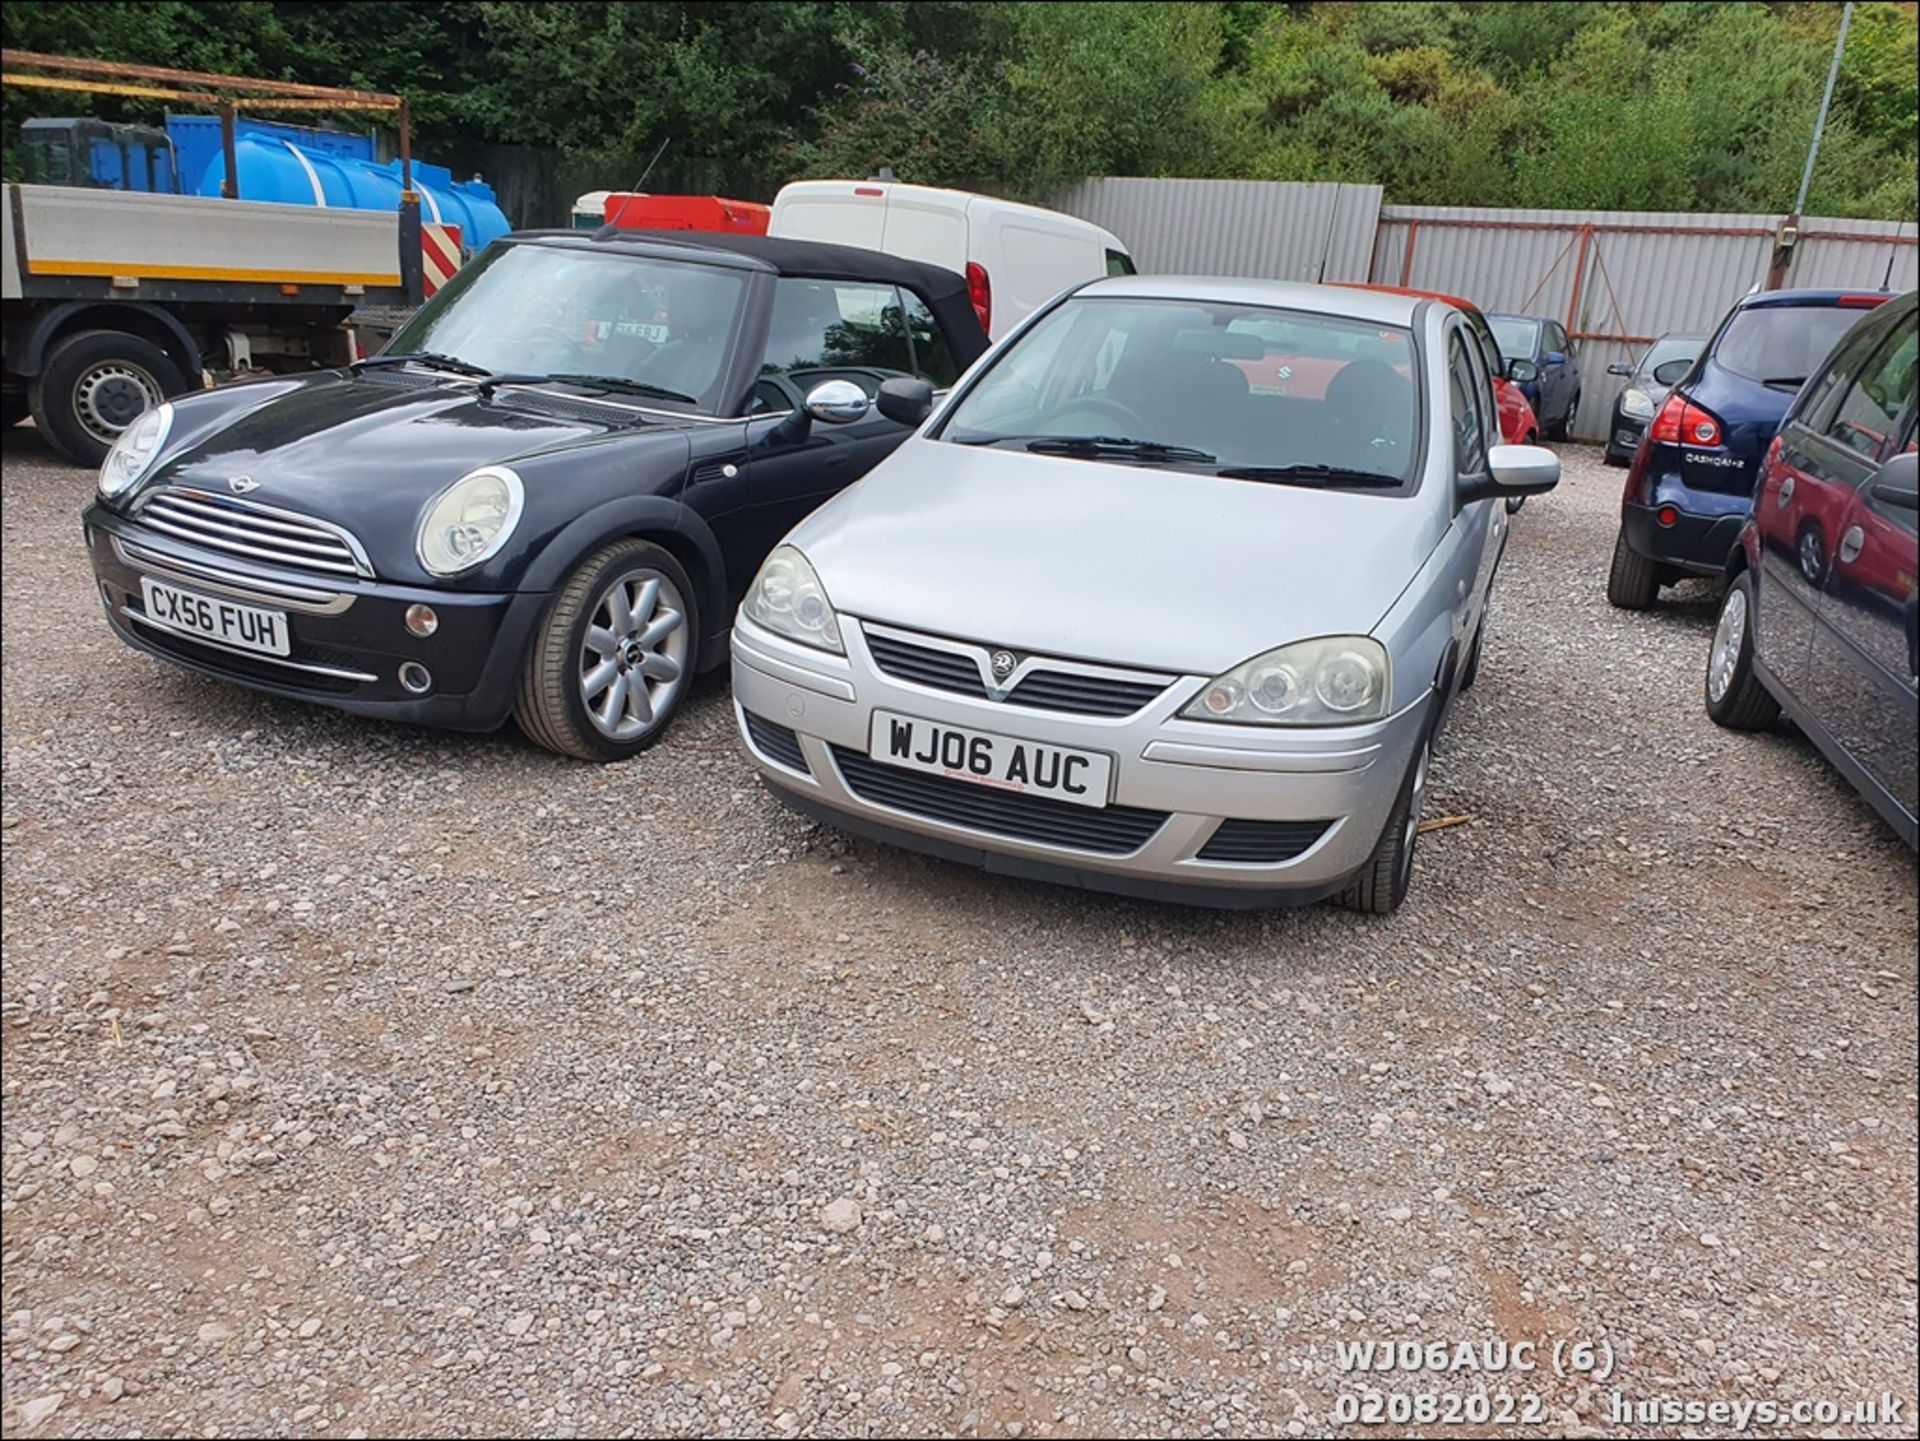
<point x="1692" y="479"/>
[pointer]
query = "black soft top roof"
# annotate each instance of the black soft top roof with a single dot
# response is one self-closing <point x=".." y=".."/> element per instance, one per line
<point x="810" y="258"/>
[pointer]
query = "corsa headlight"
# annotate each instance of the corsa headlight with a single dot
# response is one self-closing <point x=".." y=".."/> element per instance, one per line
<point x="470" y="520"/>
<point x="788" y="599"/>
<point x="133" y="453"/>
<point x="1338" y="680"/>
<point x="1636" y="403"/>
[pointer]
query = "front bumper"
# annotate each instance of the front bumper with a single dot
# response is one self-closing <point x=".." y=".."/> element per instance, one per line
<point x="805" y="718"/>
<point x="348" y="638"/>
<point x="1624" y="435"/>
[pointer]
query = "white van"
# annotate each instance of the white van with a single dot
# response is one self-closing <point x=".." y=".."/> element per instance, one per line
<point x="1015" y="257"/>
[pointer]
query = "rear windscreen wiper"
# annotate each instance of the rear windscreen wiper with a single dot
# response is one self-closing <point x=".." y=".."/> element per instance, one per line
<point x="623" y="384"/>
<point x="427" y="359"/>
<point x="1307" y="474"/>
<point x="1117" y="445"/>
<point x="1785" y="382"/>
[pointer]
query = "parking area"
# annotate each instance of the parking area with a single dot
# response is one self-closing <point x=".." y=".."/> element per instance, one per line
<point x="364" y="1080"/>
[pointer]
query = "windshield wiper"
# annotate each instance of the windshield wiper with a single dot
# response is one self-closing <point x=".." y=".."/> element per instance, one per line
<point x="426" y="359"/>
<point x="622" y="384"/>
<point x="1099" y="445"/>
<point x="1307" y="474"/>
<point x="1785" y="382"/>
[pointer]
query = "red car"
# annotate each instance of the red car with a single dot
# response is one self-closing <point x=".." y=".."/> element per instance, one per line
<point x="1518" y="425"/>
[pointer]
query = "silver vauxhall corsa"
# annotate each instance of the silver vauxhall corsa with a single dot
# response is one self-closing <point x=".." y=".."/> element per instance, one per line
<point x="1169" y="598"/>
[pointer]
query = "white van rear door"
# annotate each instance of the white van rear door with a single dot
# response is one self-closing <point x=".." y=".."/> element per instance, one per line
<point x="1030" y="260"/>
<point x="839" y="212"/>
<point x="927" y="225"/>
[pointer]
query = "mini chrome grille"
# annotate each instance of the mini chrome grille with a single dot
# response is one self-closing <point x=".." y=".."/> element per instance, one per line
<point x="1039" y="685"/>
<point x="245" y="528"/>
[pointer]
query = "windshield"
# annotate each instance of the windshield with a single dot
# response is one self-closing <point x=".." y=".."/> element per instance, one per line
<point x="1293" y="396"/>
<point x="545" y="310"/>
<point x="1781" y="345"/>
<point x="1516" y="338"/>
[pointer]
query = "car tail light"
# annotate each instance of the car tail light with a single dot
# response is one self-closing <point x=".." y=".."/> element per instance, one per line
<point x="1667" y="515"/>
<point x="1859" y="302"/>
<point x="868" y="190"/>
<point x="1681" y="422"/>
<point x="980" y="292"/>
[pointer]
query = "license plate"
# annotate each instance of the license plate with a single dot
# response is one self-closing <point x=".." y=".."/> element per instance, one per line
<point x="245" y="627"/>
<point x="1077" y="777"/>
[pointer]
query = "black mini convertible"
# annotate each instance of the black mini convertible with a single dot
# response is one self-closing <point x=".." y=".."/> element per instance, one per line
<point x="543" y="499"/>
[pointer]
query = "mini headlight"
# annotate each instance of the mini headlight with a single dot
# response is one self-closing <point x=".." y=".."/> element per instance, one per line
<point x="133" y="453"/>
<point x="470" y="520"/>
<point x="788" y="599"/>
<point x="1636" y="403"/>
<point x="1337" y="680"/>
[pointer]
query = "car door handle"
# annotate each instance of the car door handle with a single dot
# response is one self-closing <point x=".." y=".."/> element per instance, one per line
<point x="1786" y="491"/>
<point x="1851" y="544"/>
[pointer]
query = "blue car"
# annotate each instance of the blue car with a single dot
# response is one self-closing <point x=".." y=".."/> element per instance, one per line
<point x="1540" y="360"/>
<point x="1691" y="481"/>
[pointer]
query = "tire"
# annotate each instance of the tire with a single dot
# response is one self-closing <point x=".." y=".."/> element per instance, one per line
<point x="613" y="657"/>
<point x="1382" y="883"/>
<point x="1564" y="429"/>
<point x="1619" y="460"/>
<point x="93" y="385"/>
<point x="1633" y="583"/>
<point x="1735" y="697"/>
<point x="1471" y="672"/>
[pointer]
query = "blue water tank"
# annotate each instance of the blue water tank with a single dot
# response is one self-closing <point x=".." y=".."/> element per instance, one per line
<point x="274" y="168"/>
<point x="196" y="142"/>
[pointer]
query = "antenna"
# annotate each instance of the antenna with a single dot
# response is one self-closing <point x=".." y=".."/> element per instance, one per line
<point x="615" y="219"/>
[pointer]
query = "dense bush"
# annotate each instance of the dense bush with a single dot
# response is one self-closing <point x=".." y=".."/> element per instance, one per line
<point x="1678" y="106"/>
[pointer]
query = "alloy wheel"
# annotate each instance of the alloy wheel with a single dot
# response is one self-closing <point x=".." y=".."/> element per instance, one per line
<point x="633" y="659"/>
<point x="1728" y="637"/>
<point x="1416" y="806"/>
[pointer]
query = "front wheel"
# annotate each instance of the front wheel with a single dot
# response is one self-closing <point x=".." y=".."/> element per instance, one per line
<point x="94" y="385"/>
<point x="1735" y="697"/>
<point x="613" y="657"/>
<point x="1382" y="883"/>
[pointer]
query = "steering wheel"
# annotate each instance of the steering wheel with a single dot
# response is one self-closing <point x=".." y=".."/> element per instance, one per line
<point x="1100" y="405"/>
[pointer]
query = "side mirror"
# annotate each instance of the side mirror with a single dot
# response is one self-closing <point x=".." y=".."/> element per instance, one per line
<point x="1522" y="371"/>
<point x="1523" y="469"/>
<point x="906" y="399"/>
<point x="1556" y="357"/>
<point x="1619" y="367"/>
<point x="1898" y="483"/>
<point x="837" y="402"/>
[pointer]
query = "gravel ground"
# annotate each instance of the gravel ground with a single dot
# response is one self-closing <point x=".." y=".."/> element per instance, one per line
<point x="367" y="1080"/>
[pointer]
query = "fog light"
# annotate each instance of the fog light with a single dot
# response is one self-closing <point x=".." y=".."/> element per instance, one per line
<point x="421" y="620"/>
<point x="416" y="677"/>
<point x="1666" y="515"/>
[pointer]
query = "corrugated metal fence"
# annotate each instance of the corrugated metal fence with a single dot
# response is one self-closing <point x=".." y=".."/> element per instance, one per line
<point x="1615" y="279"/>
<point x="1618" y="279"/>
<point x="1276" y="230"/>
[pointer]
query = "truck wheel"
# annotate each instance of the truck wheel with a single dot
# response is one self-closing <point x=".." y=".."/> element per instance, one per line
<point x="92" y="387"/>
<point x="612" y="659"/>
<point x="1634" y="581"/>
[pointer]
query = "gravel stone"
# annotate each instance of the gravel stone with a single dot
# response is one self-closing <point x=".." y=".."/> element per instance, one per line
<point x="718" y="1062"/>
